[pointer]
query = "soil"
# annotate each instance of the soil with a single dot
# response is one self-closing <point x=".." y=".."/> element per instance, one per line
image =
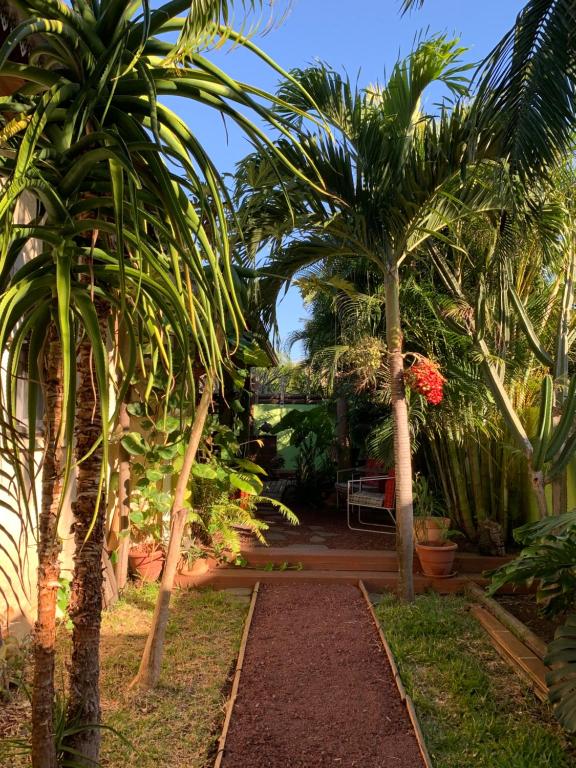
<point x="316" y="687"/>
<point x="524" y="608"/>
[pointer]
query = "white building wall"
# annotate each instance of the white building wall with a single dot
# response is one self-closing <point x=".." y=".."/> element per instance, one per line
<point x="18" y="516"/>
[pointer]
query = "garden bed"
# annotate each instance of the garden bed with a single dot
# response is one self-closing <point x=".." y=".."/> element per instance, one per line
<point x="472" y="708"/>
<point x="524" y="608"/>
<point x="176" y="724"/>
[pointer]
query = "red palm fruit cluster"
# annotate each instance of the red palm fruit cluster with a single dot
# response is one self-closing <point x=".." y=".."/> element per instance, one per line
<point x="425" y="378"/>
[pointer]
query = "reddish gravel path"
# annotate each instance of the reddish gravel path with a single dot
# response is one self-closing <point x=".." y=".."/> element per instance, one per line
<point x="316" y="687"/>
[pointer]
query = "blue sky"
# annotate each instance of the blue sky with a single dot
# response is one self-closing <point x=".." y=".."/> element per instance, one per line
<point x="363" y="36"/>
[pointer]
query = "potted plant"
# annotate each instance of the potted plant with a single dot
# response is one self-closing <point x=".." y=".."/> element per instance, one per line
<point x="146" y="555"/>
<point x="430" y="525"/>
<point x="431" y="533"/>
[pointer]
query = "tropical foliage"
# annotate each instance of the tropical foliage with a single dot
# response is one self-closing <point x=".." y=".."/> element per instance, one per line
<point x="127" y="246"/>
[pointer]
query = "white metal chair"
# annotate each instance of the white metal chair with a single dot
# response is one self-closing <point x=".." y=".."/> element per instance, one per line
<point x="375" y="492"/>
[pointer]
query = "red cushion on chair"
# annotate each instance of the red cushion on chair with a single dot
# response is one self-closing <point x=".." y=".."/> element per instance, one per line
<point x="389" y="491"/>
<point x="374" y="467"/>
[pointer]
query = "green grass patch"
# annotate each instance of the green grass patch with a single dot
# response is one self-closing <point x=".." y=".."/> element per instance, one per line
<point x="177" y="723"/>
<point x="473" y="709"/>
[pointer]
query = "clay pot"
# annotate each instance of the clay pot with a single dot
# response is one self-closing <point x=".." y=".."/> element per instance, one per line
<point x="437" y="559"/>
<point x="145" y="563"/>
<point x="430" y="529"/>
<point x="190" y="576"/>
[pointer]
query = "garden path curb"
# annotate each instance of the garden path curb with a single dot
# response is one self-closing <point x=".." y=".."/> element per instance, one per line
<point x="236" y="681"/>
<point x="517" y="627"/>
<point x="398" y="680"/>
<point x="524" y="661"/>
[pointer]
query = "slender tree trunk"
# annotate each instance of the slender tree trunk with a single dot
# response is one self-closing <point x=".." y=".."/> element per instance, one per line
<point x="226" y="397"/>
<point x="560" y="483"/>
<point x="123" y="513"/>
<point x="458" y="472"/>
<point x="343" y="433"/>
<point x="150" y="665"/>
<point x="43" y="746"/>
<point x="246" y="416"/>
<point x="86" y="590"/>
<point x="443" y="475"/>
<point x="402" y="448"/>
<point x="478" y="481"/>
<point x="537" y="478"/>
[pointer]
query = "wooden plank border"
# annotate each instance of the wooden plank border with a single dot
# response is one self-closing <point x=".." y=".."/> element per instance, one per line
<point x="517" y="627"/>
<point x="399" y="684"/>
<point x="236" y="681"/>
<point x="521" y="658"/>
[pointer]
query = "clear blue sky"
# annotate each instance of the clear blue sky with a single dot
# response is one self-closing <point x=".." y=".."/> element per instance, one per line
<point x="365" y="36"/>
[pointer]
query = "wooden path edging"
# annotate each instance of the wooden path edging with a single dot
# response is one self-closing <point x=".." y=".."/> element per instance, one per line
<point x="523" y="660"/>
<point x="517" y="627"/>
<point x="236" y="681"/>
<point x="397" y="679"/>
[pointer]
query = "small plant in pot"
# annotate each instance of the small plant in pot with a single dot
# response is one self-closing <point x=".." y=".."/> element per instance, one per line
<point x="156" y="458"/>
<point x="431" y="533"/>
<point x="430" y="525"/>
<point x="146" y="555"/>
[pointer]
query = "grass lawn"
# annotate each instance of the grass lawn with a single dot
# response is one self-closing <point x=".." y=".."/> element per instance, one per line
<point x="473" y="709"/>
<point x="176" y="724"/>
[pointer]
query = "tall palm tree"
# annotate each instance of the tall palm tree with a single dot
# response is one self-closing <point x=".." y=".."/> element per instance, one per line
<point x="392" y="176"/>
<point x="130" y="220"/>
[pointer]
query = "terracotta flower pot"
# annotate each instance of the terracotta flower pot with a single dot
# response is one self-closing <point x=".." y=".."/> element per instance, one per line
<point x="189" y="575"/>
<point x="146" y="564"/>
<point x="437" y="559"/>
<point x="430" y="529"/>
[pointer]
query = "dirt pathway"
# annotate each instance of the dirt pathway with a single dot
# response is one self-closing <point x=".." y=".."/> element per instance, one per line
<point x="316" y="687"/>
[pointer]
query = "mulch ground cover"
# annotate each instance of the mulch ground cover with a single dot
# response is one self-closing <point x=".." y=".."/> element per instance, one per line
<point x="316" y="687"/>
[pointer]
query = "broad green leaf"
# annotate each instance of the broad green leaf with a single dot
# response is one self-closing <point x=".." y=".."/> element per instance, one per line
<point x="134" y="443"/>
<point x="250" y="485"/>
<point x="204" y="471"/>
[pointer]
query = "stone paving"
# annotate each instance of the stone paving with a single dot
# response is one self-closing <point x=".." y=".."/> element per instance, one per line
<point x="321" y="527"/>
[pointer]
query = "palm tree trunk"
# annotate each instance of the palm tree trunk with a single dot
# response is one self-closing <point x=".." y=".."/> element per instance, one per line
<point x="43" y="746"/>
<point x="85" y="608"/>
<point x="149" y="671"/>
<point x="402" y="449"/>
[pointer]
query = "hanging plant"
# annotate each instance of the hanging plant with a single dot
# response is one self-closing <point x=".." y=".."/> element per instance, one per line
<point x="424" y="377"/>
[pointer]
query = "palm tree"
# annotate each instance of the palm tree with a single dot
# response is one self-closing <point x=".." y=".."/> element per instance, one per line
<point x="526" y="87"/>
<point x="130" y="220"/>
<point x="391" y="174"/>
